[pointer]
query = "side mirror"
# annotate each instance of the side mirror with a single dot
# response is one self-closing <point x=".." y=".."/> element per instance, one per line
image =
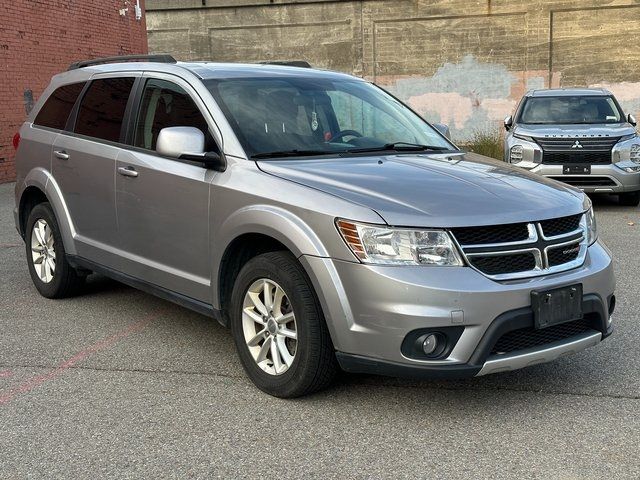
<point x="632" y="120"/>
<point x="187" y="143"/>
<point x="508" y="122"/>
<point x="443" y="129"/>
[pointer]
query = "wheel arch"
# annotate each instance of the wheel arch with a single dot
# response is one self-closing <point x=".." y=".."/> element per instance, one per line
<point x="39" y="186"/>
<point x="251" y="232"/>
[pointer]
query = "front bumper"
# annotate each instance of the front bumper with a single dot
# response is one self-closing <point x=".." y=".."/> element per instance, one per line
<point x="371" y="309"/>
<point x="603" y="178"/>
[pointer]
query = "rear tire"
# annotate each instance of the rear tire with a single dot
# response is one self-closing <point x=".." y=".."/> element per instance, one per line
<point x="629" y="199"/>
<point x="302" y="358"/>
<point x="50" y="271"/>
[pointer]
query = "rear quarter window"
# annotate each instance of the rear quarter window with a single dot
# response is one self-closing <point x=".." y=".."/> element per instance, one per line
<point x="56" y="109"/>
<point x="102" y="108"/>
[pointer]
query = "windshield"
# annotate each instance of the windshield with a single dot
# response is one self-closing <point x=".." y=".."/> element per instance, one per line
<point x="570" y="110"/>
<point x="275" y="116"/>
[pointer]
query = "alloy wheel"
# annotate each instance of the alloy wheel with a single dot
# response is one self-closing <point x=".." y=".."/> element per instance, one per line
<point x="43" y="254"/>
<point x="269" y="326"/>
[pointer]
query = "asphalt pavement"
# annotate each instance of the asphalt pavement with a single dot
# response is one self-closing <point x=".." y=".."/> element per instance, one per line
<point x="119" y="384"/>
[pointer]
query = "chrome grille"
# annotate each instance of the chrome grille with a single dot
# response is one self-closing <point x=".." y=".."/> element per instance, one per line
<point x="576" y="150"/>
<point x="568" y="150"/>
<point x="549" y="246"/>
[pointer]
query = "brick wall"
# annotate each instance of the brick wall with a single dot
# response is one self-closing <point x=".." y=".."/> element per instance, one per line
<point x="39" y="38"/>
<point x="462" y="62"/>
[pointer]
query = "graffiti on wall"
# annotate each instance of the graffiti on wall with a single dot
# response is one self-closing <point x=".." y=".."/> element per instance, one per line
<point x="472" y="96"/>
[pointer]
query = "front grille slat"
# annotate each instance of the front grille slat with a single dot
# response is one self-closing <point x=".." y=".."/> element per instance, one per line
<point x="514" y="232"/>
<point x="568" y="158"/>
<point x="501" y="264"/>
<point x="530" y="337"/>
<point x="586" y="181"/>
<point x="560" y="226"/>
<point x="518" y="250"/>
<point x="560" y="255"/>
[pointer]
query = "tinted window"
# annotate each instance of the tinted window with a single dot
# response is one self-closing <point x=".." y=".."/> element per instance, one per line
<point x="165" y="104"/>
<point x="570" y="110"/>
<point x="55" y="111"/>
<point x="102" y="108"/>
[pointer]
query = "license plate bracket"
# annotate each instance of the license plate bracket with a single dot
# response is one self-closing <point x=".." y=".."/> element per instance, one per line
<point x="579" y="169"/>
<point x="560" y="305"/>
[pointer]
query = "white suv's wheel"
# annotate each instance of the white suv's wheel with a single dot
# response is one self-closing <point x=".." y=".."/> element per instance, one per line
<point x="278" y="327"/>
<point x="51" y="273"/>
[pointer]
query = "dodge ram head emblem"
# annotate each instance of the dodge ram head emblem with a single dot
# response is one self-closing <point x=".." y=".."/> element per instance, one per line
<point x="577" y="144"/>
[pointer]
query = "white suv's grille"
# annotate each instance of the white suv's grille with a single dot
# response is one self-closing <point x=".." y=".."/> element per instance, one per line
<point x="523" y="250"/>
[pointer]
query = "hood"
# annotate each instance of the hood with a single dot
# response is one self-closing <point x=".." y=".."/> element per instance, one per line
<point x="573" y="131"/>
<point x="443" y="190"/>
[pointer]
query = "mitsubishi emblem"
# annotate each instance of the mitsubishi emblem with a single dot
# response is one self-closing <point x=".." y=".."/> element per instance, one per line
<point x="577" y="144"/>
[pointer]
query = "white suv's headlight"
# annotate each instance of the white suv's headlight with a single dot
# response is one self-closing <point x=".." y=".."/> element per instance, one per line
<point x="634" y="154"/>
<point x="516" y="154"/>
<point x="382" y="245"/>
<point x="592" y="228"/>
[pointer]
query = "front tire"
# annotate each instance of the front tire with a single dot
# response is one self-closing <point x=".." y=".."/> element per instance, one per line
<point x="279" y="329"/>
<point x="629" y="199"/>
<point x="50" y="271"/>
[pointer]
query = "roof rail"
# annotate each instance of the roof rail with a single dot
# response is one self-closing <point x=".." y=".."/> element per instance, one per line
<point x="289" y="63"/>
<point x="162" y="58"/>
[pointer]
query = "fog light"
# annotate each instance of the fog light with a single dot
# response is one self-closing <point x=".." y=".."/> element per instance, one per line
<point x="610" y="321"/>
<point x="430" y="344"/>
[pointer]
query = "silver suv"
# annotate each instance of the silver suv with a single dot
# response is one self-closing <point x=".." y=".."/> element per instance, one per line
<point x="578" y="136"/>
<point x="318" y="217"/>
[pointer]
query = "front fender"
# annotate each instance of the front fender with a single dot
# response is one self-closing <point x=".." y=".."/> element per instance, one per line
<point x="275" y="222"/>
<point x="42" y="179"/>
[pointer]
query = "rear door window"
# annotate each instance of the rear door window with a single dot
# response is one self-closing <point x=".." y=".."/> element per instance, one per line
<point x="102" y="108"/>
<point x="56" y="109"/>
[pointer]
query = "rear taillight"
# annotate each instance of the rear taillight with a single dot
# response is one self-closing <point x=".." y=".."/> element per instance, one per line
<point x="16" y="140"/>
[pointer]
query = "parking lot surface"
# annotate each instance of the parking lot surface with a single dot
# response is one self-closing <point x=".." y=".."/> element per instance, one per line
<point x="117" y="383"/>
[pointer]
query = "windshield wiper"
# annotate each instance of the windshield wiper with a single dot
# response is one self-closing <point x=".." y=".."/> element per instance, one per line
<point x="290" y="153"/>
<point x="399" y="147"/>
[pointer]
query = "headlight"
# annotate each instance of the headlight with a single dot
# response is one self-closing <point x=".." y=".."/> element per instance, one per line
<point x="523" y="137"/>
<point x="396" y="246"/>
<point x="634" y="155"/>
<point x="592" y="228"/>
<point x="516" y="153"/>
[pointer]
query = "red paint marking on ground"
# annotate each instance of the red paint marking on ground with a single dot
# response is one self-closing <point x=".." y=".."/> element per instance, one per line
<point x="38" y="380"/>
<point x="6" y="374"/>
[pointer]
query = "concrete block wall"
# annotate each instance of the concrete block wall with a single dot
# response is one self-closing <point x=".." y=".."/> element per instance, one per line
<point x="41" y="38"/>
<point x="462" y="62"/>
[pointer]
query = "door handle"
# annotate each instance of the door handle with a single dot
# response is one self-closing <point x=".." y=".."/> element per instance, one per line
<point x="127" y="171"/>
<point x="61" y="154"/>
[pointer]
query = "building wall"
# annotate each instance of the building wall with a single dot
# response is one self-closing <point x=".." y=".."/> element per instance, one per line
<point x="462" y="62"/>
<point x="41" y="38"/>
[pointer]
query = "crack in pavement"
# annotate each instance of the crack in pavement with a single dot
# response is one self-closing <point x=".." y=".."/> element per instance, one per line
<point x="355" y="383"/>
<point x="128" y="370"/>
<point x="54" y="372"/>
<point x="516" y="390"/>
<point x="10" y="245"/>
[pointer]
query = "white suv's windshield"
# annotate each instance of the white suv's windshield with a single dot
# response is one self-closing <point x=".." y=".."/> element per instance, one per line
<point x="570" y="110"/>
<point x="276" y="117"/>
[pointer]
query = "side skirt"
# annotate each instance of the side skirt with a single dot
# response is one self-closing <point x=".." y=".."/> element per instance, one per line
<point x="198" y="306"/>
